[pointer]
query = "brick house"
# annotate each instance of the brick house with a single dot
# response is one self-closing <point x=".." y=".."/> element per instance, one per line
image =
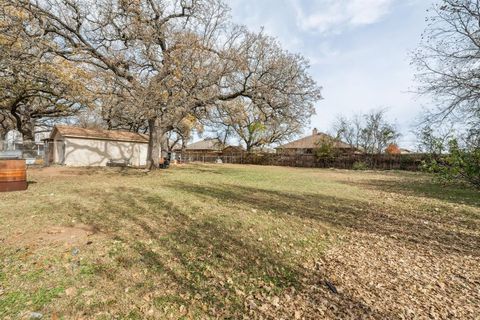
<point x="309" y="145"/>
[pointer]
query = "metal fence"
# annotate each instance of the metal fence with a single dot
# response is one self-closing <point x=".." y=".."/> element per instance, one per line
<point x="33" y="152"/>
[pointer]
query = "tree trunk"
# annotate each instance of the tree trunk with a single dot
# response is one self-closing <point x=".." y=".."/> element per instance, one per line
<point x="154" y="142"/>
<point x="3" y="143"/>
<point x="25" y="127"/>
<point x="27" y="134"/>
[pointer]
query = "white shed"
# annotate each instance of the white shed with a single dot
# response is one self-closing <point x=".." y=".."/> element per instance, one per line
<point x="80" y="147"/>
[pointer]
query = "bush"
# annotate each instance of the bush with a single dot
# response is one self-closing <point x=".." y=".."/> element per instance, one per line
<point x="325" y="149"/>
<point x="360" y="165"/>
<point x="459" y="165"/>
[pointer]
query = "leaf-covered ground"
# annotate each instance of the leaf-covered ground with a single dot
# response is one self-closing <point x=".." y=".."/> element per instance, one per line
<point x="221" y="241"/>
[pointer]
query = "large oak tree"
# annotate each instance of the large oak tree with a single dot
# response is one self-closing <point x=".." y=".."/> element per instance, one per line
<point x="160" y="62"/>
<point x="35" y="84"/>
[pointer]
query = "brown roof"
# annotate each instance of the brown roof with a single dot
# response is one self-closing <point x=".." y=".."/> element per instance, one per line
<point x="313" y="141"/>
<point x="100" y="134"/>
<point x="207" y="144"/>
<point x="234" y="148"/>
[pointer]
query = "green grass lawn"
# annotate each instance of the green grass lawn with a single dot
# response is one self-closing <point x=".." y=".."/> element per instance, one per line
<point x="227" y="241"/>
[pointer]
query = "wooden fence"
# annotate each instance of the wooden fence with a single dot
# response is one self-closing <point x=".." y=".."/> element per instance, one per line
<point x="410" y="162"/>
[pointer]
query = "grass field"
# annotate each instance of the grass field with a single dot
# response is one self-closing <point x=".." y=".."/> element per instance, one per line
<point x="225" y="241"/>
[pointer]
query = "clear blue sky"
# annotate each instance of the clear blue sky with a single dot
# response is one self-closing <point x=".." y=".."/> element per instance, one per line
<point x="358" y="50"/>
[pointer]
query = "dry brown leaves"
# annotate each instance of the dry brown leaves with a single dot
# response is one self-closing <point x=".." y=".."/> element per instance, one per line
<point x="379" y="277"/>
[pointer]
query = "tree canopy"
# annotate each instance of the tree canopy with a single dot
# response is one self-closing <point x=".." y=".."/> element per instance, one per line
<point x="158" y="62"/>
<point x="36" y="85"/>
<point x="447" y="61"/>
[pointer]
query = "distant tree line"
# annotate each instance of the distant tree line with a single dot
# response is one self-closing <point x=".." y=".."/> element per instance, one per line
<point x="369" y="132"/>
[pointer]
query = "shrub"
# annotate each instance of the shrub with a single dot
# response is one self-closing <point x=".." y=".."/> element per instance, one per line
<point x="459" y="165"/>
<point x="360" y="165"/>
<point x="325" y="149"/>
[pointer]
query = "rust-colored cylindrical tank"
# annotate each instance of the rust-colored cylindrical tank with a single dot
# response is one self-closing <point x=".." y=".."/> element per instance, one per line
<point x="13" y="175"/>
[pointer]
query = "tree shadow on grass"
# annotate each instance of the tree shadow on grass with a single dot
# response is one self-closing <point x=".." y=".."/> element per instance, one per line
<point x="411" y="228"/>
<point x="198" y="168"/>
<point x="454" y="194"/>
<point x="203" y="259"/>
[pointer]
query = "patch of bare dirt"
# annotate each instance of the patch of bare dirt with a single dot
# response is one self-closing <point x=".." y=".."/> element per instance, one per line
<point x="74" y="235"/>
<point x="56" y="171"/>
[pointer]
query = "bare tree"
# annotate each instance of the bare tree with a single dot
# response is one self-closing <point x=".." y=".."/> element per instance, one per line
<point x="268" y="96"/>
<point x="253" y="127"/>
<point x="448" y="61"/>
<point x="349" y="130"/>
<point x="378" y="133"/>
<point x="273" y="79"/>
<point x="370" y="132"/>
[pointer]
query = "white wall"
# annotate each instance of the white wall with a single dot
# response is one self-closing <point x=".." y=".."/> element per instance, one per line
<point x="15" y="136"/>
<point x="89" y="152"/>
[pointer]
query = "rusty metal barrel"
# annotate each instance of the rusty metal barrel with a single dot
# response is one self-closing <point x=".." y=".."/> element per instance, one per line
<point x="13" y="175"/>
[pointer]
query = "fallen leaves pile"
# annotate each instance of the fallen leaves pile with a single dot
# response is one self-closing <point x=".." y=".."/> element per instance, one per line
<point x="401" y="261"/>
<point x="378" y="277"/>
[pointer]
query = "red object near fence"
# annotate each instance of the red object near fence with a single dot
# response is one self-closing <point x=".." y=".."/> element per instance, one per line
<point x="393" y="149"/>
